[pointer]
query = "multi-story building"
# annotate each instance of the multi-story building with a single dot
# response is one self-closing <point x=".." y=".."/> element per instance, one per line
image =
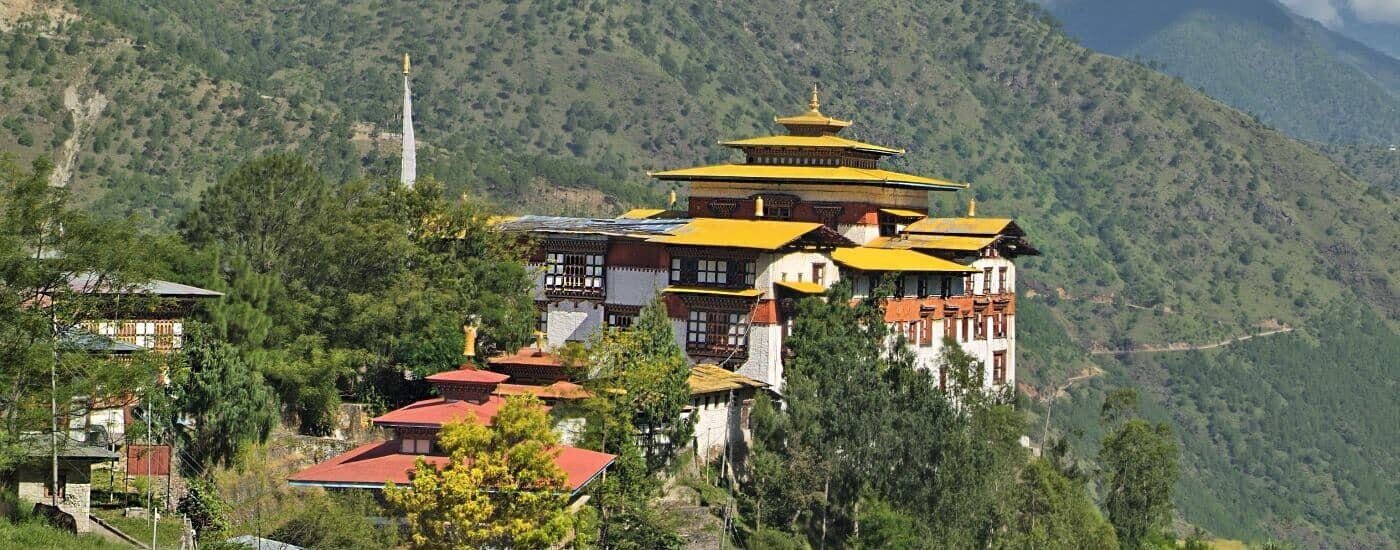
<point x="798" y="213"/>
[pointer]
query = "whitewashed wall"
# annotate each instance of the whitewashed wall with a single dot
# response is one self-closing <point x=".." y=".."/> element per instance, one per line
<point x="572" y="320"/>
<point x="635" y="286"/>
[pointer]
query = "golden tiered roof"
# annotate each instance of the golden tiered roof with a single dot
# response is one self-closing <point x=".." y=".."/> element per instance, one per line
<point x="810" y="153"/>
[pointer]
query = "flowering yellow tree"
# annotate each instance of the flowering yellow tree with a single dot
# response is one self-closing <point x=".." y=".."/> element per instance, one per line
<point x="502" y="488"/>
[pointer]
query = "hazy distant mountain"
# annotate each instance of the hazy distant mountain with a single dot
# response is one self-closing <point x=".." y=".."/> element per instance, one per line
<point x="1375" y="23"/>
<point x="1292" y="71"/>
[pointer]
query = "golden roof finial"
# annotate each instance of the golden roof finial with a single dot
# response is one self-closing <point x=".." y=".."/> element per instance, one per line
<point x="405" y="64"/>
<point x="814" y="103"/>
<point x="469" y="340"/>
<point x="671" y="200"/>
<point x="972" y="208"/>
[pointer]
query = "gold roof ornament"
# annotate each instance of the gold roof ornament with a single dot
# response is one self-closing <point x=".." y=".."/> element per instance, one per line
<point x="671" y="200"/>
<point x="812" y="122"/>
<point x="972" y="208"/>
<point x="405" y="64"/>
<point x="758" y="206"/>
<point x="469" y="340"/>
<point x="539" y="340"/>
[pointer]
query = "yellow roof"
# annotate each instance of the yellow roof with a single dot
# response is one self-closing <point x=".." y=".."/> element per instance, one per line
<point x="820" y="174"/>
<point x="641" y="213"/>
<point x="900" y="212"/>
<point x="890" y="259"/>
<point x="960" y="226"/>
<point x="759" y="234"/>
<point x="933" y="242"/>
<point x="709" y="378"/>
<point x="734" y="292"/>
<point x="805" y="287"/>
<point x="812" y="141"/>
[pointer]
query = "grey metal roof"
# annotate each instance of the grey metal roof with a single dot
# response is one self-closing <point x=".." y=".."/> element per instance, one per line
<point x="260" y="543"/>
<point x="89" y="341"/>
<point x="87" y="282"/>
<point x="594" y="226"/>
<point x="39" y="445"/>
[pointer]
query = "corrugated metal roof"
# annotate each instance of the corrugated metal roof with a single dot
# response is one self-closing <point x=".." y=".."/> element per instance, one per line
<point x="805" y="287"/>
<point x="77" y="338"/>
<point x="92" y="283"/>
<point x="828" y="141"/>
<point x="595" y="226"/>
<point x="960" y="226"/>
<point x="933" y="242"/>
<point x="886" y="259"/>
<point x="708" y="378"/>
<point x="818" y="174"/>
<point x="758" y="234"/>
<point x="735" y="292"/>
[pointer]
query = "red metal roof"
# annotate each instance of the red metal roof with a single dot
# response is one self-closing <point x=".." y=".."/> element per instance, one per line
<point x="527" y="356"/>
<point x="373" y="464"/>
<point x="438" y="411"/>
<point x="562" y="389"/>
<point x="469" y="375"/>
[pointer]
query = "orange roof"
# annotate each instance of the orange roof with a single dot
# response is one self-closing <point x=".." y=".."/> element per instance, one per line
<point x="438" y="411"/>
<point x="527" y="355"/>
<point x="562" y="389"/>
<point x="469" y="375"/>
<point x="372" y="465"/>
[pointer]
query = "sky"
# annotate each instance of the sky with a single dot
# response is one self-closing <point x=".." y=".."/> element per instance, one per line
<point x="1330" y="12"/>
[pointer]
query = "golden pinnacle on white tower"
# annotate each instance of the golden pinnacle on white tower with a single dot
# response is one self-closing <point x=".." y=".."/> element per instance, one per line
<point x="972" y="208"/>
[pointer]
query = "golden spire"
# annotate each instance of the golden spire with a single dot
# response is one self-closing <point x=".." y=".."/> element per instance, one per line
<point x="405" y="64"/>
<point x="539" y="341"/>
<point x="671" y="200"/>
<point x="972" y="208"/>
<point x="814" y="103"/>
<point x="758" y="206"/>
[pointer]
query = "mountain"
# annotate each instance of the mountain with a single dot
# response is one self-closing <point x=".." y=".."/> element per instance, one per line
<point x="1375" y="23"/>
<point x="1166" y="219"/>
<point x="1295" y="74"/>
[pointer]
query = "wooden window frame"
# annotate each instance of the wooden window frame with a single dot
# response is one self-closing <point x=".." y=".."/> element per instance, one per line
<point x="575" y="274"/>
<point x="999" y="367"/>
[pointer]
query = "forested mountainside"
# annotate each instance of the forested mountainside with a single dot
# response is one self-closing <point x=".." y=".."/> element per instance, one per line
<point x="1378" y="164"/>
<point x="1165" y="217"/>
<point x="1295" y="74"/>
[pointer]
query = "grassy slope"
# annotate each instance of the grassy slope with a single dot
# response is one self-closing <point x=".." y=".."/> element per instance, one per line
<point x="1295" y="74"/>
<point x="1141" y="191"/>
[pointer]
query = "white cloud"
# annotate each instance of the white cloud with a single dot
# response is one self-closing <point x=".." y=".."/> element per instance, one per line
<point x="1323" y="10"/>
<point x="1376" y="11"/>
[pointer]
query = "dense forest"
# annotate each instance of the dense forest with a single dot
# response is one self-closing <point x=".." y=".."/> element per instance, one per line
<point x="1164" y="216"/>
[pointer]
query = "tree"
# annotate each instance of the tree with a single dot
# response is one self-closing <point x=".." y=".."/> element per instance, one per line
<point x="225" y="400"/>
<point x="60" y="269"/>
<point x="645" y="362"/>
<point x="500" y="489"/>
<point x="338" y="520"/>
<point x="1054" y="511"/>
<point x="1139" y="461"/>
<point x="640" y="388"/>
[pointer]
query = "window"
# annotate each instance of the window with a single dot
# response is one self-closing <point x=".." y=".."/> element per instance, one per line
<point x="712" y="272"/>
<point x="416" y="446"/>
<point x="966" y="328"/>
<point x="889" y="226"/>
<point x="999" y="367"/>
<point x="574" y="274"/>
<point x="945" y="286"/>
<point x="1001" y="281"/>
<point x="777" y="212"/>
<point x="621" y="317"/>
<point x="999" y="325"/>
<point x="967" y="285"/>
<point x="986" y="280"/>
<point x="981" y="330"/>
<point x="819" y="273"/>
<point x="899" y="286"/>
<point x="950" y="328"/>
<point x="926" y="333"/>
<point x="716" y="332"/>
<point x="923" y="286"/>
<point x="62" y="486"/>
<point x="912" y="332"/>
<point x="542" y="316"/>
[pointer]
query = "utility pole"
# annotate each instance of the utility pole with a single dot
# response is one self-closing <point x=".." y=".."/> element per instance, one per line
<point x="53" y="401"/>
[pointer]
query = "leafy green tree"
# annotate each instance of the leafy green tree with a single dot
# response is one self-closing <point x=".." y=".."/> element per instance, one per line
<point x="225" y="400"/>
<point x="884" y="526"/>
<point x="501" y="488"/>
<point x="1053" y="511"/>
<point x="59" y="269"/>
<point x="336" y="521"/>
<point x="652" y="372"/>
<point x="1139" y="461"/>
